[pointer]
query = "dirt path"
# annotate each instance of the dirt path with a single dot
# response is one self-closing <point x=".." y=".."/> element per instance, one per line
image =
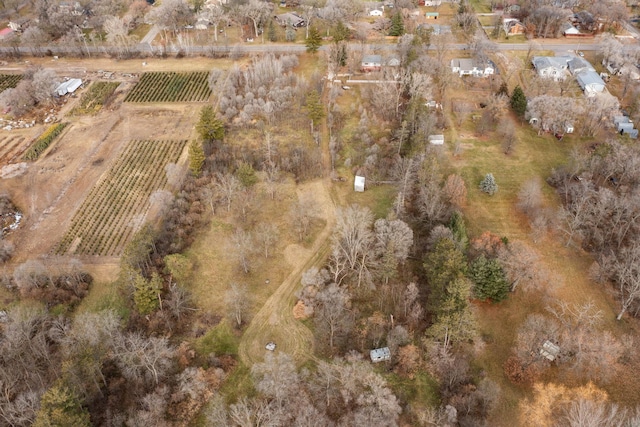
<point x="275" y="321"/>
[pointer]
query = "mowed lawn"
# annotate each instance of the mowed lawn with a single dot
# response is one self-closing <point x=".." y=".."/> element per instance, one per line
<point x="534" y="157"/>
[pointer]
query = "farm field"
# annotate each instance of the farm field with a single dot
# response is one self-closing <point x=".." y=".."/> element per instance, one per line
<point x="9" y="80"/>
<point x="94" y="99"/>
<point x="117" y="204"/>
<point x="171" y="87"/>
<point x="11" y="146"/>
<point x="44" y="140"/>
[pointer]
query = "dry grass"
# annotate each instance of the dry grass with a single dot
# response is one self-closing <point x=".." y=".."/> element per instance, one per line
<point x="534" y="157"/>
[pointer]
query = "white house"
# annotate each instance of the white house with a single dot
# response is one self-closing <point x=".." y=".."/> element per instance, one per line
<point x="380" y="354"/>
<point x="376" y="12"/>
<point x="568" y="29"/>
<point x="69" y="86"/>
<point x="472" y="67"/>
<point x="358" y="184"/>
<point x="552" y="67"/>
<point x="371" y="63"/>
<point x="432" y="3"/>
<point x="436" y="139"/>
<point x="590" y="82"/>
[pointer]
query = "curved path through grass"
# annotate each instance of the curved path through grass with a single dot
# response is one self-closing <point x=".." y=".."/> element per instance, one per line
<point x="274" y="321"/>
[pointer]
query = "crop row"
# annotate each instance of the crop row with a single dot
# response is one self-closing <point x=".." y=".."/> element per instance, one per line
<point x="171" y="87"/>
<point x="97" y="95"/>
<point x="117" y="204"/>
<point x="9" y="146"/>
<point x="43" y="141"/>
<point x="9" y="80"/>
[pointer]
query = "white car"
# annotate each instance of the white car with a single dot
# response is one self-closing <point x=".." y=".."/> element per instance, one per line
<point x="271" y="346"/>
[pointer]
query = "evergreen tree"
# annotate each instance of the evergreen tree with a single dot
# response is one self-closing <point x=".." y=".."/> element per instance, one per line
<point x="340" y="32"/>
<point x="60" y="407"/>
<point x="459" y="230"/>
<point x="518" y="101"/>
<point x="315" y="109"/>
<point x="145" y="295"/>
<point x="209" y="127"/>
<point x="246" y="175"/>
<point x="397" y="25"/>
<point x="273" y="36"/>
<point x="196" y="157"/>
<point x="444" y="264"/>
<point x="290" y="34"/>
<point x="453" y="320"/>
<point x="489" y="185"/>
<point x="314" y="41"/>
<point x="489" y="279"/>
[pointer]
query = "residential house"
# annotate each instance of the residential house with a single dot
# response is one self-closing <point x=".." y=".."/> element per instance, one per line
<point x="432" y="15"/>
<point x="371" y="63"/>
<point x="552" y="67"/>
<point x="380" y="354"/>
<point x="358" y="184"/>
<point x="568" y="29"/>
<point x="578" y="65"/>
<point x="585" y="21"/>
<point x="290" y="18"/>
<point x="472" y="67"/>
<point x="512" y="26"/>
<point x="376" y="12"/>
<point x="590" y="82"/>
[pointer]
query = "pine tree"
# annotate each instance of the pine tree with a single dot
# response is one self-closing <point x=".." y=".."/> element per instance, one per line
<point x="60" y="407"/>
<point x="488" y="184"/>
<point x="489" y="279"/>
<point x="314" y="41"/>
<point x="273" y="36"/>
<point x="314" y="107"/>
<point x="196" y="157"/>
<point x="145" y="295"/>
<point x="246" y="175"/>
<point x="518" y="101"/>
<point x="340" y="32"/>
<point x="209" y="127"/>
<point x="459" y="230"/>
<point x="397" y="25"/>
<point x="290" y="34"/>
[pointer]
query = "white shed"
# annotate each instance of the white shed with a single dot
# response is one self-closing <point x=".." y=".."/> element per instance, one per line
<point x="358" y="184"/>
<point x="436" y="139"/>
<point x="549" y="350"/>
<point x="568" y="128"/>
<point x="380" y="354"/>
<point x="69" y="86"/>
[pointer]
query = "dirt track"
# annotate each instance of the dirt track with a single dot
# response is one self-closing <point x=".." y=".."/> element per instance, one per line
<point x="275" y="321"/>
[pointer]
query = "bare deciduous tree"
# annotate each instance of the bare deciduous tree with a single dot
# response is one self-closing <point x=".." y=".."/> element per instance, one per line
<point x="237" y="301"/>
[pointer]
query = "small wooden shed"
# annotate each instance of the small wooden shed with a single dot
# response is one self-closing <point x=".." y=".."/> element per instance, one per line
<point x="358" y="184"/>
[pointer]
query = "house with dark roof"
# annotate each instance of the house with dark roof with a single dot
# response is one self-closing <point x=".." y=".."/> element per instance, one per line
<point x="290" y="18"/>
<point x="577" y="65"/>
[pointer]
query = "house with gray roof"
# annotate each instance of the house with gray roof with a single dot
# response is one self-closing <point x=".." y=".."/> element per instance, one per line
<point x="552" y="67"/>
<point x="371" y="63"/>
<point x="578" y="65"/>
<point x="472" y="67"/>
<point x="590" y="82"/>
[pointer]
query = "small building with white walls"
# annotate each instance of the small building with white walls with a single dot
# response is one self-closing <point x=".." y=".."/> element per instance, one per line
<point x="358" y="184"/>
<point x="69" y="86"/>
<point x="380" y="354"/>
<point x="436" y="139"/>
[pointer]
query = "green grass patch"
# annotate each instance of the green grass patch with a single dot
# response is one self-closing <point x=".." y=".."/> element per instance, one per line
<point x="105" y="296"/>
<point x="44" y="140"/>
<point x="421" y="390"/>
<point x="378" y="198"/>
<point x="238" y="384"/>
<point x="220" y="340"/>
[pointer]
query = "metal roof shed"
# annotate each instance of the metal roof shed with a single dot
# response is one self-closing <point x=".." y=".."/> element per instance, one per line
<point x="436" y="139"/>
<point x="380" y="354"/>
<point x="358" y="184"/>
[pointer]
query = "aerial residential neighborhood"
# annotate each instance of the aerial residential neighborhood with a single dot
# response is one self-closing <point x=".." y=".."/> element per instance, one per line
<point x="332" y="213"/>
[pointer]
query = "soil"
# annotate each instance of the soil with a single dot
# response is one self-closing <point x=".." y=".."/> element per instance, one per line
<point x="49" y="190"/>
